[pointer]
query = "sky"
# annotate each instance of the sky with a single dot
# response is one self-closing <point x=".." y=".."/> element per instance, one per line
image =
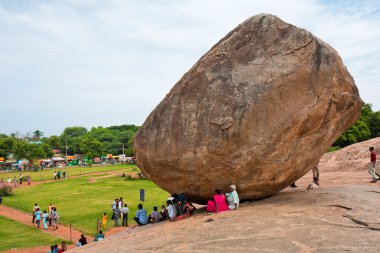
<point x="101" y="63"/>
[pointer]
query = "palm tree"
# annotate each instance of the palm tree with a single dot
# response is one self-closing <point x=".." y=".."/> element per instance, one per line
<point x="37" y="134"/>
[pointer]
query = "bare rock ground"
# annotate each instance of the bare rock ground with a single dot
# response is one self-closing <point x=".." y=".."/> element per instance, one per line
<point x="343" y="215"/>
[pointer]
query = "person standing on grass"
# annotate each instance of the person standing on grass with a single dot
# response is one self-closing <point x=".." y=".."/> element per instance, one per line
<point x="141" y="217"/>
<point x="116" y="213"/>
<point x="29" y="180"/>
<point x="34" y="212"/>
<point x="9" y="181"/>
<point x="372" y="165"/>
<point x="124" y="212"/>
<point x="15" y="182"/>
<point x="45" y="217"/>
<point x="55" y="218"/>
<point x="21" y="176"/>
<point x="38" y="217"/>
<point x="104" y="220"/>
<point x="1" y="199"/>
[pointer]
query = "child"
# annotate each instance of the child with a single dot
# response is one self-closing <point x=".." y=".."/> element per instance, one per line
<point x="105" y="220"/>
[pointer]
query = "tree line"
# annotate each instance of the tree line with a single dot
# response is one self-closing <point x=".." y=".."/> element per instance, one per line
<point x="99" y="141"/>
<point x="95" y="142"/>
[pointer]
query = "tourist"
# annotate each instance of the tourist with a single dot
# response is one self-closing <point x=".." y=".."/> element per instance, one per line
<point x="34" y="212"/>
<point x="176" y="205"/>
<point x="113" y="206"/>
<point x="45" y="218"/>
<point x="15" y="182"/>
<point x="189" y="208"/>
<point x="29" y="180"/>
<point x="372" y="165"/>
<point x="99" y="236"/>
<point x="63" y="247"/>
<point x="121" y="202"/>
<point x="56" y="248"/>
<point x="55" y="175"/>
<point x="116" y="214"/>
<point x="315" y="171"/>
<point x="104" y="220"/>
<point x="51" y="249"/>
<point x="21" y="176"/>
<point x="64" y="174"/>
<point x="38" y="217"/>
<point x="141" y="217"/>
<point x="82" y="240"/>
<point x="154" y="216"/>
<point x="233" y="198"/>
<point x="218" y="204"/>
<point x="9" y="181"/>
<point x="172" y="210"/>
<point x="124" y="214"/>
<point x="164" y="213"/>
<point x="55" y="218"/>
<point x="1" y="199"/>
<point x="59" y="174"/>
<point x="51" y="214"/>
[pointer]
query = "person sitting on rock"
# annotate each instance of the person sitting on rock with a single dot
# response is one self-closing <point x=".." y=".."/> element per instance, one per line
<point x="141" y="217"/>
<point x="154" y="216"/>
<point x="99" y="236"/>
<point x="164" y="213"/>
<point x="172" y="210"/>
<point x="233" y="198"/>
<point x="218" y="204"/>
<point x="82" y="240"/>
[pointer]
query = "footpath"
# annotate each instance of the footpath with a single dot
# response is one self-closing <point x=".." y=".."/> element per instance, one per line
<point x="63" y="232"/>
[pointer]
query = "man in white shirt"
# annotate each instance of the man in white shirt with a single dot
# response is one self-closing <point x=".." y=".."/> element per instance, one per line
<point x="172" y="210"/>
<point x="124" y="212"/>
<point x="233" y="198"/>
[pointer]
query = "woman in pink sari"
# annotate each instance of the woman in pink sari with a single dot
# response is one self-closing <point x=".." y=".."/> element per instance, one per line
<point x="218" y="204"/>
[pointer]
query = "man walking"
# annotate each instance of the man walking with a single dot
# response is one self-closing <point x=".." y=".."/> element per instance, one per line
<point x="372" y="165"/>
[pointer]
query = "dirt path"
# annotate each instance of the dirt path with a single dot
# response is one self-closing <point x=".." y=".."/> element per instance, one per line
<point x="109" y="174"/>
<point x="62" y="231"/>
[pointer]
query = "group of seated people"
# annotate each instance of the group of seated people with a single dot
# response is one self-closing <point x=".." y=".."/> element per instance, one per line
<point x="223" y="202"/>
<point x="178" y="207"/>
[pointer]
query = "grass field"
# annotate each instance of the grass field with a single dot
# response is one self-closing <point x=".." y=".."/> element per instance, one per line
<point x="48" y="174"/>
<point x="81" y="202"/>
<point x="17" y="235"/>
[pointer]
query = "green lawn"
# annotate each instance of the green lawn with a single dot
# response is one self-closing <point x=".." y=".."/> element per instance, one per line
<point x="17" y="235"/>
<point x="48" y="174"/>
<point x="81" y="202"/>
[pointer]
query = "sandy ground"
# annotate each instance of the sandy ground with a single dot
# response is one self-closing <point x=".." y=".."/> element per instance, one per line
<point x="343" y="215"/>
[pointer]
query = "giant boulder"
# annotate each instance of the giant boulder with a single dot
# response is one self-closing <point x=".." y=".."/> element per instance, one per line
<point x="258" y="110"/>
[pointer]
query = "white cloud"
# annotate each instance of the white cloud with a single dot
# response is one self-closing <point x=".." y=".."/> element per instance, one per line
<point x="111" y="62"/>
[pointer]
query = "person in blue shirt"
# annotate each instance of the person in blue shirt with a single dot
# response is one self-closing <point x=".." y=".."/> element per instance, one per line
<point x="141" y="218"/>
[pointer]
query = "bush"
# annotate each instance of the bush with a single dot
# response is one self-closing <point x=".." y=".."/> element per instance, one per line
<point x="6" y="190"/>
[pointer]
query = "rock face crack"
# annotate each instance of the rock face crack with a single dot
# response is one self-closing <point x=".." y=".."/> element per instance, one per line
<point x="245" y="113"/>
<point x="344" y="207"/>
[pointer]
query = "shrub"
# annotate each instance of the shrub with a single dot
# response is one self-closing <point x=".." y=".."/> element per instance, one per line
<point x="6" y="190"/>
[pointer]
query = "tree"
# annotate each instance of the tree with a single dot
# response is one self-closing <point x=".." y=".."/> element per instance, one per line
<point x="359" y="131"/>
<point x="6" y="145"/>
<point x="29" y="151"/>
<point x="74" y="131"/>
<point x="91" y="147"/>
<point x="374" y="124"/>
<point x="37" y="134"/>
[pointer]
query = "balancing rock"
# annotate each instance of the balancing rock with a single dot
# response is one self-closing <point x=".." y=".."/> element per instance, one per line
<point x="258" y="110"/>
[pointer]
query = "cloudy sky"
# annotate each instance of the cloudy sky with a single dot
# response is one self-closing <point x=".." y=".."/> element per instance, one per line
<point x="101" y="63"/>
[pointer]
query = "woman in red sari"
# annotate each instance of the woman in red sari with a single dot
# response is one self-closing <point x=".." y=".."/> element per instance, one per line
<point x="218" y="204"/>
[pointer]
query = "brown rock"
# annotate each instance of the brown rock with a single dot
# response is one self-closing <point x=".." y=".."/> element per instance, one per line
<point x="258" y="110"/>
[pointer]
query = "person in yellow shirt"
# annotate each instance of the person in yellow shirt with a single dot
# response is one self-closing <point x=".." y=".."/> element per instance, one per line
<point x="105" y="220"/>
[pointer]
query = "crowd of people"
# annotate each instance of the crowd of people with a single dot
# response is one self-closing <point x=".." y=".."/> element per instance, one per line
<point x="55" y="249"/>
<point x="49" y="218"/>
<point x="15" y="182"/>
<point x="58" y="174"/>
<point x="224" y="202"/>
